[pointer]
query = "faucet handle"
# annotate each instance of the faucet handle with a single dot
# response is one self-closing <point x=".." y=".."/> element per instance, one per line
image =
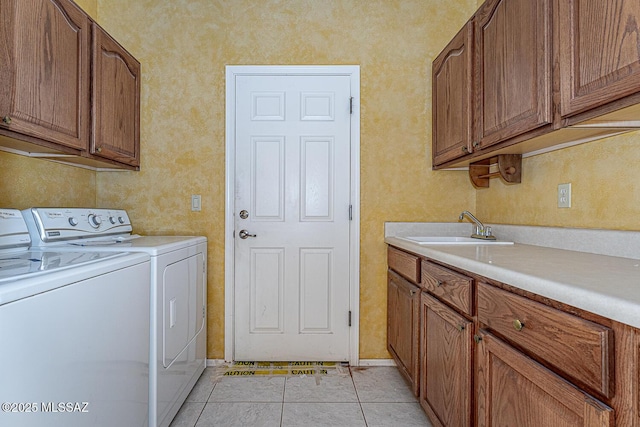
<point x="487" y="231"/>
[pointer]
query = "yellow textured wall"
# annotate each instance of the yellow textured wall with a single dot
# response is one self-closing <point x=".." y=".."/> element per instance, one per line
<point x="605" y="186"/>
<point x="184" y="45"/>
<point x="90" y="7"/>
<point x="26" y="182"/>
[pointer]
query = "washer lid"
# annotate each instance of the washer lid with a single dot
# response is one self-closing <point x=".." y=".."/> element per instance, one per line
<point x="24" y="264"/>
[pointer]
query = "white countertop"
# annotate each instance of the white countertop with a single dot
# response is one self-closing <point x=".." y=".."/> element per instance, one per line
<point x="602" y="284"/>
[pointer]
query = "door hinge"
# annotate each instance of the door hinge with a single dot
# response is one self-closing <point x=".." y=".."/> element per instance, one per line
<point x="351" y="105"/>
<point x="350" y="212"/>
<point x="204" y="311"/>
<point x="349" y="317"/>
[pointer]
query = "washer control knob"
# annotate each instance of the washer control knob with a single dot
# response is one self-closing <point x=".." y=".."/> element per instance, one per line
<point x="112" y="220"/>
<point x="73" y="221"/>
<point x="121" y="220"/>
<point x="94" y="221"/>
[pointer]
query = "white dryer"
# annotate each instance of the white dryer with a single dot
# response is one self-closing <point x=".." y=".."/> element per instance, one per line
<point x="178" y="293"/>
<point x="73" y="327"/>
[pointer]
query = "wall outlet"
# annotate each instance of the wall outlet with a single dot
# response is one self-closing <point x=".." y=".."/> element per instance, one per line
<point x="564" y="195"/>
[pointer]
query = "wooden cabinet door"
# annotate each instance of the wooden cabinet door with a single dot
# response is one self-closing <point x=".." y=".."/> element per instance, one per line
<point x="44" y="68"/>
<point x="513" y="390"/>
<point x="403" y="325"/>
<point x="115" y="101"/>
<point x="451" y="99"/>
<point x="445" y="364"/>
<point x="599" y="52"/>
<point x="513" y="68"/>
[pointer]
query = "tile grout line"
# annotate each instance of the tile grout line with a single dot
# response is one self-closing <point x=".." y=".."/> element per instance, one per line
<point x="284" y="392"/>
<point x="206" y="402"/>
<point x="358" y="397"/>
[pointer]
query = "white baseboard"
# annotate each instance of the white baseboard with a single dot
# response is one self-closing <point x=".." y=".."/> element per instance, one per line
<point x="377" y="362"/>
<point x="215" y="362"/>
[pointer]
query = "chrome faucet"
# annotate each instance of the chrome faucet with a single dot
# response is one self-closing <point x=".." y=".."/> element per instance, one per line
<point x="482" y="232"/>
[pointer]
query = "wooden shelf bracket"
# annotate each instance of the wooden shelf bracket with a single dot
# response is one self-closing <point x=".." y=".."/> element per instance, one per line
<point x="509" y="168"/>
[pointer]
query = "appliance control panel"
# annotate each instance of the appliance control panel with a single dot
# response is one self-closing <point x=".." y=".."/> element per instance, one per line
<point x="56" y="224"/>
<point x="13" y="230"/>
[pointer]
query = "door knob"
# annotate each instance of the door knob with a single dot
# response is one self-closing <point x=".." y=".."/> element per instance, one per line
<point x="244" y="234"/>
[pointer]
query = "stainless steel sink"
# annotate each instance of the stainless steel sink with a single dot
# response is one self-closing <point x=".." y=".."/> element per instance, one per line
<point x="451" y="240"/>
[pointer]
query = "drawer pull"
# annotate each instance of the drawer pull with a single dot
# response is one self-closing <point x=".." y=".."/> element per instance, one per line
<point x="518" y="325"/>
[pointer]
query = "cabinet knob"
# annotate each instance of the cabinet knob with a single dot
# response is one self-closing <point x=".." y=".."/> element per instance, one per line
<point x="465" y="150"/>
<point x="439" y="283"/>
<point x="476" y="144"/>
<point x="412" y="292"/>
<point x="461" y="328"/>
<point x="477" y="338"/>
<point x="7" y="120"/>
<point x="99" y="149"/>
<point x="518" y="325"/>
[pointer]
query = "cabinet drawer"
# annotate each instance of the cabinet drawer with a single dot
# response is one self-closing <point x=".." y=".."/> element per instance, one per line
<point x="405" y="264"/>
<point x="579" y="348"/>
<point x="449" y="286"/>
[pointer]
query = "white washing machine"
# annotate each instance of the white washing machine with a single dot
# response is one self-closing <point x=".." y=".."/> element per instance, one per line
<point x="178" y="293"/>
<point x="74" y="328"/>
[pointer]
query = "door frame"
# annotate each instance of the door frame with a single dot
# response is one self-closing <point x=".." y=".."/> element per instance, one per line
<point x="233" y="71"/>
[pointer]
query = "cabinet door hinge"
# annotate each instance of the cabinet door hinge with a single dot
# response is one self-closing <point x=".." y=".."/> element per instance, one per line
<point x="351" y="105"/>
<point x="350" y="212"/>
<point x="349" y="318"/>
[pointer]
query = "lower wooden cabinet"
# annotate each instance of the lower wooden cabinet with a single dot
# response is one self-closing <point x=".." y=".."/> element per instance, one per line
<point x="482" y="353"/>
<point x="514" y="390"/>
<point x="403" y="325"/>
<point x="581" y="350"/>
<point x="446" y="364"/>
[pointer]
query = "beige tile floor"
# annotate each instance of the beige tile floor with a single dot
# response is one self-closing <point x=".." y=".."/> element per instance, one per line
<point x="373" y="396"/>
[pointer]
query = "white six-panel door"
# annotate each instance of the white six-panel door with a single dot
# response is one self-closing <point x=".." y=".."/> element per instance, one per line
<point x="292" y="198"/>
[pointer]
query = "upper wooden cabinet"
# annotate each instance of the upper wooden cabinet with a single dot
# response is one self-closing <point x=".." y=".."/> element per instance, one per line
<point x="545" y="75"/>
<point x="115" y="101"/>
<point x="599" y="52"/>
<point x="452" y="97"/>
<point x="513" y="69"/>
<point x="68" y="88"/>
<point x="44" y="68"/>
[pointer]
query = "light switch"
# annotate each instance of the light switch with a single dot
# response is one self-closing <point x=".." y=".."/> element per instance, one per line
<point x="196" y="203"/>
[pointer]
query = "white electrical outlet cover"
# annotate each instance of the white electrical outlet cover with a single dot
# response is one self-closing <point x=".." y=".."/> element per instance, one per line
<point x="564" y="195"/>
